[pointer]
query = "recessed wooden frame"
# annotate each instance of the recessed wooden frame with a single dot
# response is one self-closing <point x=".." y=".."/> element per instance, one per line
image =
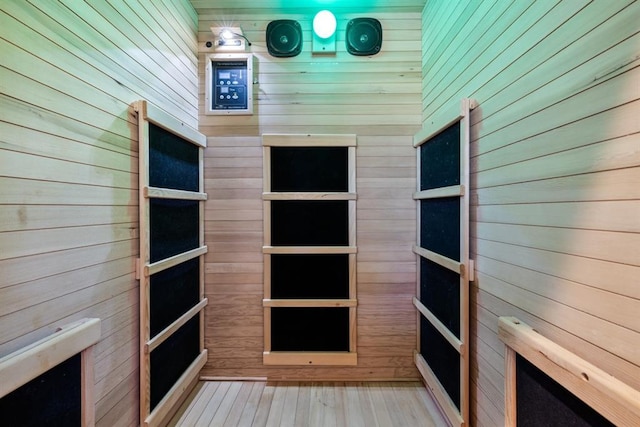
<point x="157" y="413"/>
<point x="26" y="364"/>
<point x="612" y="398"/>
<point x="456" y="412"/>
<point x="310" y="358"/>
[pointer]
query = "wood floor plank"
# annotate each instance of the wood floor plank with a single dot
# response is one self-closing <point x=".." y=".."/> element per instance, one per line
<point x="328" y="400"/>
<point x="233" y="419"/>
<point x="316" y="413"/>
<point x="381" y="411"/>
<point x="188" y="405"/>
<point x="339" y="402"/>
<point x="264" y="406"/>
<point x="213" y="404"/>
<point x="312" y="404"/>
<point x="303" y="404"/>
<point x="251" y="406"/>
<point x="353" y="408"/>
<point x="367" y="405"/>
<point x="290" y="405"/>
<point x="226" y="405"/>
<point x="198" y="406"/>
<point x="277" y="405"/>
<point x="414" y="412"/>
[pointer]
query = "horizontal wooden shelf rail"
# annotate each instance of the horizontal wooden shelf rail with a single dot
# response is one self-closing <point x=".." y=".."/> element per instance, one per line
<point x="28" y="363"/>
<point x="444" y="331"/>
<point x="167" y="193"/>
<point x="615" y="400"/>
<point x="309" y="302"/>
<point x="149" y="112"/>
<point x="21" y="366"/>
<point x="169" y="330"/>
<point x="309" y="250"/>
<point x="444" y="120"/>
<point x="164" y="264"/>
<point x="440" y="260"/>
<point x="309" y="196"/>
<point x="438" y="193"/>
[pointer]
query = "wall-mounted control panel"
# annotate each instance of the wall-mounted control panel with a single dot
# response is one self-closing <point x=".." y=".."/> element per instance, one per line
<point x="229" y="84"/>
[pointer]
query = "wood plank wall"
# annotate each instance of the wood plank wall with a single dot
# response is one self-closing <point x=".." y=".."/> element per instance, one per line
<point x="555" y="173"/>
<point x="68" y="168"/>
<point x="377" y="98"/>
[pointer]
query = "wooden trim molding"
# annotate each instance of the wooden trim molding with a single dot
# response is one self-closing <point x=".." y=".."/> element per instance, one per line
<point x="310" y="358"/>
<point x="346" y="358"/>
<point x="22" y="366"/>
<point x="615" y="400"/>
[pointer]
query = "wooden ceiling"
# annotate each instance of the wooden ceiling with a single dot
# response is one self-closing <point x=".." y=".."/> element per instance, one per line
<point x="293" y="6"/>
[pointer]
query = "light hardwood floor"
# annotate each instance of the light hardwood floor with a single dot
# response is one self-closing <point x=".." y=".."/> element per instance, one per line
<point x="366" y="404"/>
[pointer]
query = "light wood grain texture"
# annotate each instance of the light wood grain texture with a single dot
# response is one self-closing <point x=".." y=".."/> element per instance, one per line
<point x="307" y="358"/>
<point x="552" y="138"/>
<point x="147" y="115"/>
<point x="250" y="403"/>
<point x="20" y="367"/>
<point x="606" y="394"/>
<point x="74" y="69"/>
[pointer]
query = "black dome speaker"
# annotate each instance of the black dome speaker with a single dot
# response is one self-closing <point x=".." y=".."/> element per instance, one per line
<point x="284" y="38"/>
<point x="364" y="36"/>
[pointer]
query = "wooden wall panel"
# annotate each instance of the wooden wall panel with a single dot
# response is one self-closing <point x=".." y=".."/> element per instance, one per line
<point x="68" y="150"/>
<point x="555" y="167"/>
<point x="377" y="98"/>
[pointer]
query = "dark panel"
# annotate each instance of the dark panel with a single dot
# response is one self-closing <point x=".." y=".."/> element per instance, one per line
<point x="310" y="276"/>
<point x="172" y="358"/>
<point x="174" y="227"/>
<point x="541" y="401"/>
<point x="173" y="162"/>
<point x="440" y="226"/>
<point x="284" y="38"/>
<point x="363" y="36"/>
<point x="53" y="399"/>
<point x="173" y="292"/>
<point x="310" y="329"/>
<point x="443" y="359"/>
<point x="440" y="293"/>
<point x="309" y="223"/>
<point x="308" y="169"/>
<point x="440" y="159"/>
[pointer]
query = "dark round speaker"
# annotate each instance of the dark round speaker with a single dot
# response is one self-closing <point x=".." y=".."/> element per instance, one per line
<point x="364" y="36"/>
<point x="284" y="38"/>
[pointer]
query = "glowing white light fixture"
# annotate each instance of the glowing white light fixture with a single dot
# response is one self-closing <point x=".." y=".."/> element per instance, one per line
<point x="324" y="32"/>
<point x="229" y="39"/>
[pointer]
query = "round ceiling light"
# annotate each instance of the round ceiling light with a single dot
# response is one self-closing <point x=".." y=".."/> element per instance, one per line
<point x="324" y="24"/>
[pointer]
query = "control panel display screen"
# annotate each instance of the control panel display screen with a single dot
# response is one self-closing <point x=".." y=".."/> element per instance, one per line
<point x="230" y="85"/>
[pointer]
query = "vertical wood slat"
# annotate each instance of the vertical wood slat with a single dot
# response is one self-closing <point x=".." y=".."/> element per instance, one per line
<point x="145" y="259"/>
<point x="87" y="381"/>
<point x="510" y="411"/>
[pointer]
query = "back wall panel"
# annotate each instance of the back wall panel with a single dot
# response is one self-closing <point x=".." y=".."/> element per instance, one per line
<point x="377" y="98"/>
